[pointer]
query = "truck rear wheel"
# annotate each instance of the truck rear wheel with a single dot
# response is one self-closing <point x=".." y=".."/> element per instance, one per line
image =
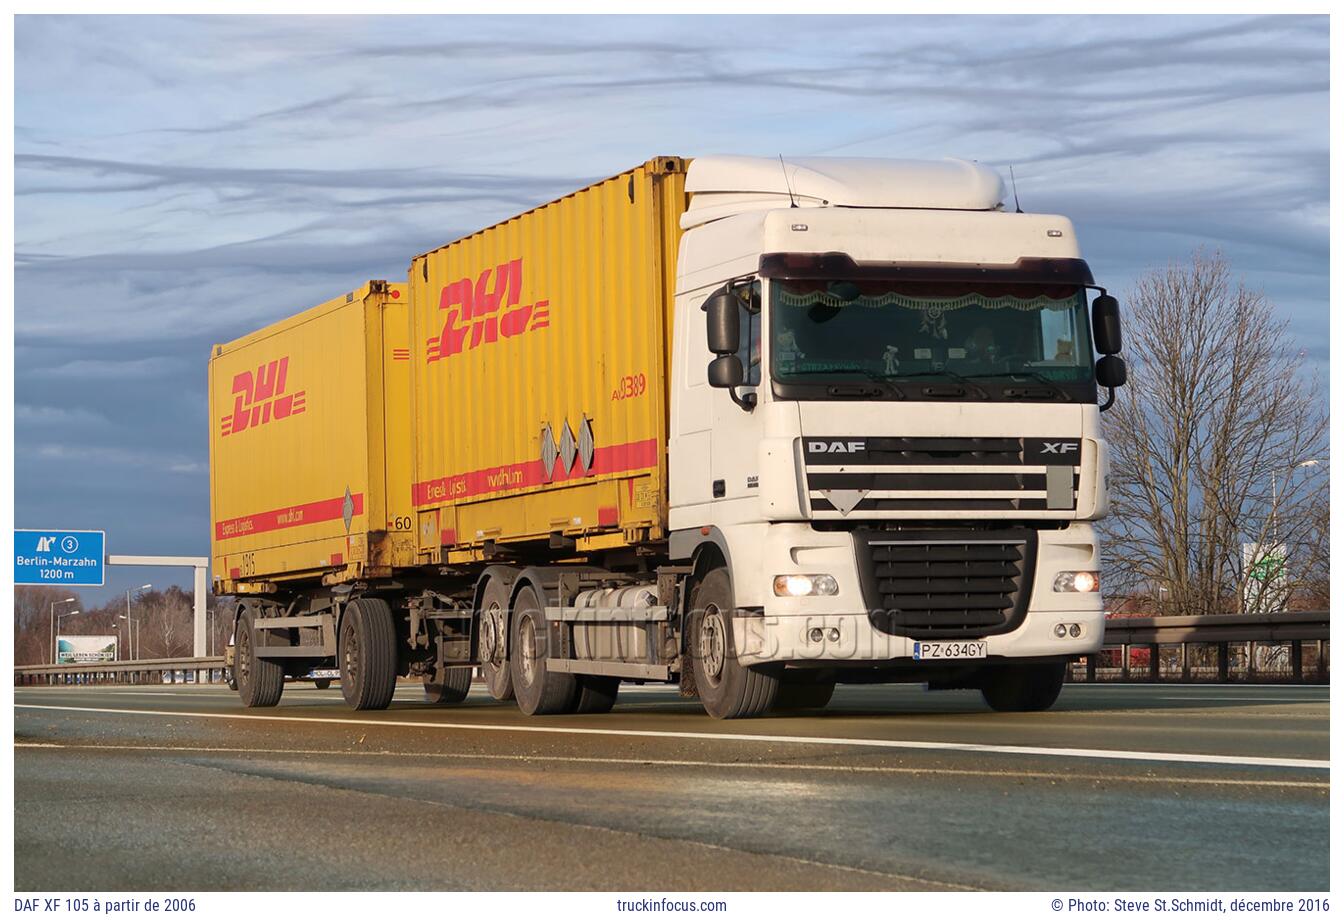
<point x="539" y="691"/>
<point x="368" y="654"/>
<point x="260" y="681"/>
<point x="494" y="629"/>
<point x="447" y="685"/>
<point x="728" y="689"/>
<point x="596" y="693"/>
<point x="1024" y="687"/>
<point x="804" y="689"/>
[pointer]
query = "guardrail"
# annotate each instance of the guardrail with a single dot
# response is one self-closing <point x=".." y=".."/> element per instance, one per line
<point x="158" y="670"/>
<point x="1241" y="647"/>
<point x="1286" y="647"/>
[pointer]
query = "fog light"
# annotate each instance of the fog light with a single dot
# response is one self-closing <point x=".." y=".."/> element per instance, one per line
<point x="833" y="635"/>
<point x="1078" y="582"/>
<point x="1075" y="630"/>
<point x="805" y="585"/>
<point x="1061" y="630"/>
<point x="814" y="634"/>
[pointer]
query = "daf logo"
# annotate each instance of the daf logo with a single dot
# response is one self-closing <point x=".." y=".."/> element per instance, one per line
<point x="835" y="447"/>
<point x="1058" y="447"/>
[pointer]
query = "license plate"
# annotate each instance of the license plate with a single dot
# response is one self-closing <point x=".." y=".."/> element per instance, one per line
<point x="939" y="651"/>
<point x="320" y="673"/>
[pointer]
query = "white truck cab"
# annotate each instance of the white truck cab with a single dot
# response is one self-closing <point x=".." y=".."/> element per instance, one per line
<point x="884" y="417"/>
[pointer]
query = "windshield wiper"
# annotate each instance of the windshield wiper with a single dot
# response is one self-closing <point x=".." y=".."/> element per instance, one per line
<point x="951" y="375"/>
<point x="880" y="379"/>
<point x="1034" y="375"/>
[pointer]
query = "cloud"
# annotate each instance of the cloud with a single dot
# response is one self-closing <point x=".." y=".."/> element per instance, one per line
<point x="108" y="370"/>
<point x="180" y="181"/>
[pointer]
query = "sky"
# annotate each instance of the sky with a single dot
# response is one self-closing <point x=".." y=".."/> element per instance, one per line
<point x="180" y="181"/>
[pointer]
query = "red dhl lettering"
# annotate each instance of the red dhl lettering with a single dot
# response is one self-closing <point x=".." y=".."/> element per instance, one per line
<point x="261" y="398"/>
<point x="474" y="311"/>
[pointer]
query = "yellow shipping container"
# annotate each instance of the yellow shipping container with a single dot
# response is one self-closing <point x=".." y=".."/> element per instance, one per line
<point x="309" y="444"/>
<point x="541" y="347"/>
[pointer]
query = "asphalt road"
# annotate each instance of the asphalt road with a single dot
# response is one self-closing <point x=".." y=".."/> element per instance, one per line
<point x="1163" y="788"/>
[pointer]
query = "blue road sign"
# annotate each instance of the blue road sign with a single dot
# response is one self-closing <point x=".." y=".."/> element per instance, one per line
<point x="59" y="557"/>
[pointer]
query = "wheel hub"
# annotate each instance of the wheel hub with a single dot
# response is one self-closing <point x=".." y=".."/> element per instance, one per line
<point x="351" y="654"/>
<point x="713" y="643"/>
<point x="529" y="650"/>
<point x="491" y="635"/>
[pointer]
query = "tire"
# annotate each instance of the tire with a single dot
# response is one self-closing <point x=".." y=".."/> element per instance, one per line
<point x="804" y="690"/>
<point x="728" y="690"/>
<point x="447" y="685"/>
<point x="494" y="626"/>
<point x="260" y="681"/>
<point x="368" y="654"/>
<point x="596" y="694"/>
<point x="539" y="692"/>
<point x="322" y="683"/>
<point x="1024" y="687"/>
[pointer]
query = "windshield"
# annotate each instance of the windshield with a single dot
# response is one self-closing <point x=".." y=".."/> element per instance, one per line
<point x="826" y="332"/>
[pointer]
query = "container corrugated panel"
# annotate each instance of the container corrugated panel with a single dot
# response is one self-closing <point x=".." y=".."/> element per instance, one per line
<point x="300" y="461"/>
<point x="540" y="368"/>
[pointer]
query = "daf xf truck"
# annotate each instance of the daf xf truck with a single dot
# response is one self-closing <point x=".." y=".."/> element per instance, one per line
<point x="749" y="426"/>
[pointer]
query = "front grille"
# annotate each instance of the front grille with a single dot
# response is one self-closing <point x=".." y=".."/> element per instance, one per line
<point x="988" y="451"/>
<point x="940" y="584"/>
<point x="904" y="476"/>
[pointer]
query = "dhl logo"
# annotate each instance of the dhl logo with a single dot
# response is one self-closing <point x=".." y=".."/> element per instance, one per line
<point x="261" y="397"/>
<point x="474" y="308"/>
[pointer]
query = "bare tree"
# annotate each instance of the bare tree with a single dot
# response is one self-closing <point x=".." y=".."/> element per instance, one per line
<point x="165" y="623"/>
<point x="32" y="620"/>
<point x="1217" y="415"/>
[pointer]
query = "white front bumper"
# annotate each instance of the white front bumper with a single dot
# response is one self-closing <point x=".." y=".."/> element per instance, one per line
<point x="784" y="630"/>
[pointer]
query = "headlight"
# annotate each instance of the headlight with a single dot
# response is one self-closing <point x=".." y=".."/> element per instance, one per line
<point x="1078" y="582"/>
<point x="805" y="585"/>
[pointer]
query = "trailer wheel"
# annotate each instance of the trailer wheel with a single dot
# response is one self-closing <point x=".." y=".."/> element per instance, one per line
<point x="539" y="691"/>
<point x="728" y="689"/>
<point x="596" y="694"/>
<point x="368" y="654"/>
<point x="493" y="649"/>
<point x="1024" y="687"/>
<point x="801" y="689"/>
<point x="447" y="685"/>
<point x="260" y="681"/>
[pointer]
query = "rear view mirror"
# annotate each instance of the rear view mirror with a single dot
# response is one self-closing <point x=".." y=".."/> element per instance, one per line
<point x="725" y="371"/>
<point x="1106" y="324"/>
<point x="723" y="325"/>
<point x="1111" y="371"/>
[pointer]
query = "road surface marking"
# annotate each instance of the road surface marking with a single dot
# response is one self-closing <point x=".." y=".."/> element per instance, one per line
<point x="715" y="764"/>
<point x="1257" y="699"/>
<point x="1095" y="753"/>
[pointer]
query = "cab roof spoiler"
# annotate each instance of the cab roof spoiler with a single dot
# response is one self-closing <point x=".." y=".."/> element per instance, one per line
<point x="835" y="266"/>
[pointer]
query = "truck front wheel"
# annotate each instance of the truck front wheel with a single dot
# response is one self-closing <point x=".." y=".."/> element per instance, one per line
<point x="1024" y="687"/>
<point x="368" y="654"/>
<point x="727" y="688"/>
<point x="260" y="681"/>
<point x="539" y="690"/>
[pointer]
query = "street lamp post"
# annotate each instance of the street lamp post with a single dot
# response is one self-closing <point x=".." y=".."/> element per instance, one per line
<point x="1274" y="486"/>
<point x="62" y="616"/>
<point x="133" y="650"/>
<point x="68" y="600"/>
